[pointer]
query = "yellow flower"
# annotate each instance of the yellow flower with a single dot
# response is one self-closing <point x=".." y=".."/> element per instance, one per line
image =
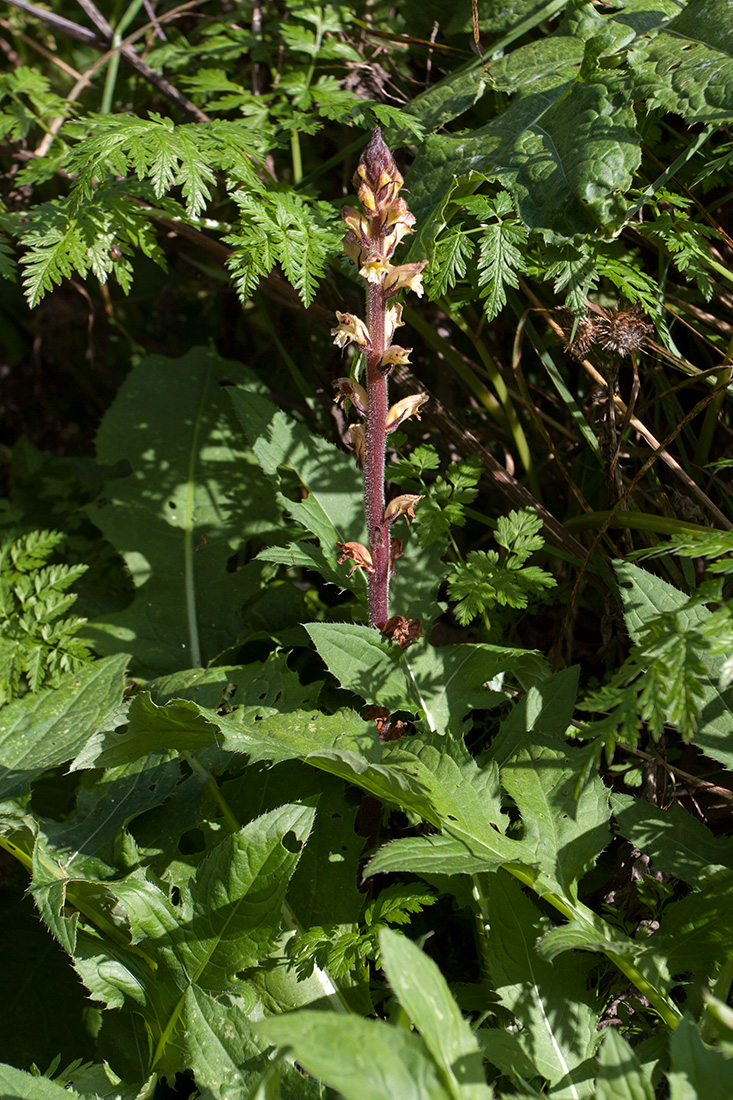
<point x="404" y="409"/>
<point x="402" y="506"/>
<point x="407" y="275"/>
<point x="374" y="269"/>
<point x="393" y="320"/>
<point x="350" y="330"/>
<point x="395" y="356"/>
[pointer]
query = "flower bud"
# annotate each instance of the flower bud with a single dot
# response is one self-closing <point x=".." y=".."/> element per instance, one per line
<point x="404" y="409"/>
<point x="377" y="178"/>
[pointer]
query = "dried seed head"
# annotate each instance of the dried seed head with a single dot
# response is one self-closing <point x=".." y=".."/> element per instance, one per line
<point x="623" y="330"/>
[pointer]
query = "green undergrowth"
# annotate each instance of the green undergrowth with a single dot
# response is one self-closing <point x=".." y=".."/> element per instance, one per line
<point x="251" y="847"/>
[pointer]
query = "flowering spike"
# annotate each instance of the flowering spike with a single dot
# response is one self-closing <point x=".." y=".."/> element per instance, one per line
<point x="372" y="235"/>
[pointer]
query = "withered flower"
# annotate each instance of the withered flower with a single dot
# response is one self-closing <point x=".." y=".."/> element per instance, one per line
<point x="348" y="388"/>
<point x="403" y="631"/>
<point x="356" y="553"/>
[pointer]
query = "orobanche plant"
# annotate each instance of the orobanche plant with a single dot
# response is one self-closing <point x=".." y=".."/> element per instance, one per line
<point x="374" y="234"/>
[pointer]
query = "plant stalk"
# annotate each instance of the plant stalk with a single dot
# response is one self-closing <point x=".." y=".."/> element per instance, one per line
<point x="375" y="448"/>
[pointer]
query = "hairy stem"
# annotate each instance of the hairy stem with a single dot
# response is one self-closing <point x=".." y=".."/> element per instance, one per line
<point x="375" y="445"/>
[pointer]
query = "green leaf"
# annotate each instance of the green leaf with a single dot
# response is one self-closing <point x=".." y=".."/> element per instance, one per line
<point x="566" y="151"/>
<point x="677" y="843"/>
<point x="235" y="906"/>
<point x="566" y="832"/>
<point x="645" y="597"/>
<point x="440" y="684"/>
<point x="620" y="1075"/>
<point x="451" y="97"/>
<point x="328" y="500"/>
<point x="500" y="262"/>
<point x="88" y="842"/>
<point x="227" y="1058"/>
<point x="177" y="727"/>
<point x="696" y="1069"/>
<point x="358" y="1057"/>
<point x="192" y="498"/>
<point x="18" y="1085"/>
<point x="549" y="1000"/>
<point x="424" y="995"/>
<point x="696" y="932"/>
<point x="43" y="1005"/>
<point x="285" y="229"/>
<point x="43" y="730"/>
<point x="545" y="709"/>
<point x="688" y="66"/>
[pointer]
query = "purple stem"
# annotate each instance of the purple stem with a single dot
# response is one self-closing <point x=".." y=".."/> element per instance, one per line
<point x="375" y="444"/>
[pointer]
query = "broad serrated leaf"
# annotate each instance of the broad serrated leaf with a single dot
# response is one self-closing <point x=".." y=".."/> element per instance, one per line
<point x="440" y="684"/>
<point x="645" y="597"/>
<point x="697" y="1070"/>
<point x="566" y="832"/>
<point x="44" y="730"/>
<point x="227" y="1058"/>
<point x="358" y="1057"/>
<point x="424" y="995"/>
<point x="677" y="843"/>
<point x="549" y="1000"/>
<point x="16" y="1084"/>
<point x="566" y="151"/>
<point x="192" y="498"/>
<point x="620" y="1075"/>
<point x="687" y="67"/>
<point x="329" y="505"/>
